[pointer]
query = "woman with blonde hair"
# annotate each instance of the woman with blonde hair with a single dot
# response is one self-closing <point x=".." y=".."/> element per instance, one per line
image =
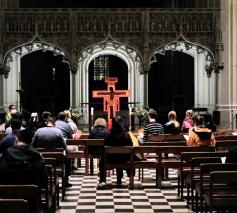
<point x="172" y="126"/>
<point x="100" y="129"/>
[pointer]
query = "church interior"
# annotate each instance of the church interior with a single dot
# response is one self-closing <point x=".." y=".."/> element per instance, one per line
<point x="108" y="58"/>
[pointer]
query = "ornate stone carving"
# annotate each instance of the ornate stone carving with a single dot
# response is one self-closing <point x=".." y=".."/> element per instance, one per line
<point x="80" y="28"/>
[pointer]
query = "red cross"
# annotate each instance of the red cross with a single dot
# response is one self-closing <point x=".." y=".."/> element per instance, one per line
<point x="111" y="98"/>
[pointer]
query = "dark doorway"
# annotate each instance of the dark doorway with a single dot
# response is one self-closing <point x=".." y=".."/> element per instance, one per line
<point x="45" y="82"/>
<point x="171" y="84"/>
<point x="107" y="66"/>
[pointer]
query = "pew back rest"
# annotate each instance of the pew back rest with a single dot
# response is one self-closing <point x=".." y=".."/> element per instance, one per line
<point x="26" y="192"/>
<point x="14" y="205"/>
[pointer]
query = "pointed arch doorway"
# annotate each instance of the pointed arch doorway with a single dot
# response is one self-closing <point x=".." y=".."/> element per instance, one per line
<point x="129" y="55"/>
<point x="107" y="66"/>
<point x="45" y="82"/>
<point x="181" y="61"/>
<point x="171" y="84"/>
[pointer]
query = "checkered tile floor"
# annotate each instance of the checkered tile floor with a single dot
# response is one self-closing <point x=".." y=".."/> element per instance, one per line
<point x="83" y="197"/>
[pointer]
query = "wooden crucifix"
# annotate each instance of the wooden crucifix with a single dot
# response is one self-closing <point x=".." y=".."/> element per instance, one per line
<point x="111" y="98"/>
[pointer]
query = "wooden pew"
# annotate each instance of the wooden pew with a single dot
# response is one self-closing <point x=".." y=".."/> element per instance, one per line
<point x="166" y="137"/>
<point x="26" y="192"/>
<point x="205" y="172"/>
<point x="222" y="197"/>
<point x="187" y="162"/>
<point x="175" y="162"/>
<point x="14" y="205"/>
<point x="225" y="137"/>
<point x="84" y="144"/>
<point x="119" y="150"/>
<point x="165" y="143"/>
<point x="225" y="144"/>
<point x="60" y="157"/>
<point x="160" y="162"/>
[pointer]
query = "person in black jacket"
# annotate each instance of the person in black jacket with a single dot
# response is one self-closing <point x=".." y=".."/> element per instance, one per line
<point x="22" y="164"/>
<point x="118" y="137"/>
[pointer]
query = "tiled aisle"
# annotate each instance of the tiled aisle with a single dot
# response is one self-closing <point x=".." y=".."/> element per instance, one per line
<point x="83" y="197"/>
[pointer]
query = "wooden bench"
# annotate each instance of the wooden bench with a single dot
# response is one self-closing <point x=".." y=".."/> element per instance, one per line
<point x="175" y="162"/>
<point x="201" y="186"/>
<point x="14" y="205"/>
<point x="225" y="144"/>
<point x="159" y="163"/>
<point x="31" y="193"/>
<point x="84" y="144"/>
<point x="60" y="157"/>
<point x="187" y="163"/>
<point x="166" y="137"/>
<point x="222" y="192"/>
<point x="118" y="150"/>
<point x="165" y="143"/>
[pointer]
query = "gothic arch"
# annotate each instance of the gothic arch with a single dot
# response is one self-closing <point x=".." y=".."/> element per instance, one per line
<point x="12" y="62"/>
<point x="204" y="88"/>
<point x="128" y="54"/>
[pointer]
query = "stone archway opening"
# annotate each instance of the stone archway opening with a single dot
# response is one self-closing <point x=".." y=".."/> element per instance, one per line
<point x="35" y="68"/>
<point x="133" y="60"/>
<point x="175" y="57"/>
<point x="45" y="82"/>
<point x="107" y="66"/>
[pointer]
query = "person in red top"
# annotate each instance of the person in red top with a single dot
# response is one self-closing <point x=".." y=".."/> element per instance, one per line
<point x="199" y="135"/>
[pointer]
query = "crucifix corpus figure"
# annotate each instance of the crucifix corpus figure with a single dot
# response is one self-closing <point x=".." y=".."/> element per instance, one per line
<point x="111" y="98"/>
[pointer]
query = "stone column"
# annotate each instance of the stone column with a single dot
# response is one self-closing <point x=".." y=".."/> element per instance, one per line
<point x="228" y="78"/>
<point x="146" y="56"/>
<point x="73" y="88"/>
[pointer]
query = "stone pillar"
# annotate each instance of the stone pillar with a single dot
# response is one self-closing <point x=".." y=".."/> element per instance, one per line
<point x="73" y="89"/>
<point x="146" y="57"/>
<point x="228" y="78"/>
<point x="145" y="90"/>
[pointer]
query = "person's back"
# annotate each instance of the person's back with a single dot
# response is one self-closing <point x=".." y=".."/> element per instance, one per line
<point x="187" y="122"/>
<point x="117" y="137"/>
<point x="172" y="126"/>
<point x="63" y="126"/>
<point x="48" y="137"/>
<point x="21" y="164"/>
<point x="153" y="127"/>
<point x="100" y="129"/>
<point x="199" y="135"/>
<point x="10" y="139"/>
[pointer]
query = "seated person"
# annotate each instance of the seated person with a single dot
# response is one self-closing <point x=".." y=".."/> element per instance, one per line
<point x="153" y="127"/>
<point x="100" y="129"/>
<point x="199" y="135"/>
<point x="50" y="137"/>
<point x="22" y="164"/>
<point x="17" y="116"/>
<point x="10" y="139"/>
<point x="172" y="126"/>
<point x="188" y="121"/>
<point x="2" y="122"/>
<point x="43" y="122"/>
<point x="117" y="137"/>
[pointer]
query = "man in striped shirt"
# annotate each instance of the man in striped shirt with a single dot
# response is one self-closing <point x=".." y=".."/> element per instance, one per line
<point x="152" y="128"/>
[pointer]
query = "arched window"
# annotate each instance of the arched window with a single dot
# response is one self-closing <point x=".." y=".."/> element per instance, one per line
<point x="101" y="67"/>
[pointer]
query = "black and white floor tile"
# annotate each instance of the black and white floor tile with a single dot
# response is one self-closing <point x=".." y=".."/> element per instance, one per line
<point x="83" y="197"/>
